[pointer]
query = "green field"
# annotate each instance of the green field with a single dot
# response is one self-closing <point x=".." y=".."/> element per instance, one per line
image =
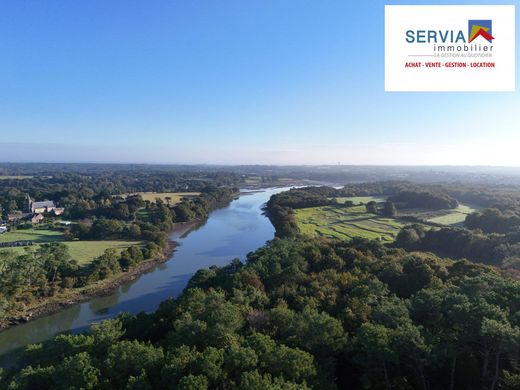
<point x="363" y="199"/>
<point x="15" y="177"/>
<point x="346" y="223"/>
<point x="85" y="251"/>
<point x="35" y="235"/>
<point x="455" y="216"/>
<point x="82" y="251"/>
<point x="175" y="197"/>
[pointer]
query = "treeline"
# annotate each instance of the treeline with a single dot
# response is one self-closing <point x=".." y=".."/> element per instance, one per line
<point x="405" y="194"/>
<point x="423" y="199"/>
<point x="303" y="314"/>
<point x="199" y="207"/>
<point x="280" y="207"/>
<point x="457" y="243"/>
<point x="80" y="193"/>
<point x="42" y="272"/>
<point x="486" y="195"/>
<point x="402" y="194"/>
<point x="298" y="198"/>
<point x="106" y="206"/>
<point x="501" y="197"/>
<point x="494" y="221"/>
<point x="283" y="220"/>
<point x="157" y="218"/>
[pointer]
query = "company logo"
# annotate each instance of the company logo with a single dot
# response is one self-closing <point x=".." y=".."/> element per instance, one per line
<point x="480" y="28"/>
<point x="450" y="47"/>
<point x="476" y="28"/>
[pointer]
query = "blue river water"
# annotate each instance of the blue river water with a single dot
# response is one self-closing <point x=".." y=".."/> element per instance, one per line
<point x="230" y="232"/>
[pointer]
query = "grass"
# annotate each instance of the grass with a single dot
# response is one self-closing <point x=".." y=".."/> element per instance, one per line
<point x="82" y="251"/>
<point x="455" y="216"/>
<point x="35" y="235"/>
<point x="252" y="180"/>
<point x="346" y="223"/>
<point x="363" y="199"/>
<point x="85" y="251"/>
<point x="15" y="177"/>
<point x="175" y="196"/>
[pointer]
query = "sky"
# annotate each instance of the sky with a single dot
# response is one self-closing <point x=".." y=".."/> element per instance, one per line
<point x="228" y="82"/>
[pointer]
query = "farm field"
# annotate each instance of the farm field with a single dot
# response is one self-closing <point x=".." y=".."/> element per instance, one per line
<point x="174" y="197"/>
<point x="455" y="216"/>
<point x="346" y="223"/>
<point x="83" y="251"/>
<point x="86" y="251"/>
<point x="35" y="235"/>
<point x="15" y="177"/>
<point x="362" y="199"/>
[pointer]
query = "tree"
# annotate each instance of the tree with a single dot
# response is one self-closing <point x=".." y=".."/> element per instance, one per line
<point x="76" y="372"/>
<point x="502" y="336"/>
<point x="193" y="382"/>
<point x="56" y="260"/>
<point x="389" y="209"/>
<point x="373" y="349"/>
<point x="131" y="358"/>
<point x="371" y="207"/>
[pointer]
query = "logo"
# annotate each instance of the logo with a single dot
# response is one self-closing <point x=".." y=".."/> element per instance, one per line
<point x="480" y="28"/>
<point x="450" y="48"/>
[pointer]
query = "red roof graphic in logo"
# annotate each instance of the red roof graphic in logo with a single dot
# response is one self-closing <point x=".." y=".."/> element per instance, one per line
<point x="480" y="28"/>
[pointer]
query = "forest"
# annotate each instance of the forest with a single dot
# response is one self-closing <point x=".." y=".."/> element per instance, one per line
<point x="438" y="308"/>
<point x="303" y="314"/>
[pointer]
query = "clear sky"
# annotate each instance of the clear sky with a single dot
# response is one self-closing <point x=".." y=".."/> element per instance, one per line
<point x="233" y="82"/>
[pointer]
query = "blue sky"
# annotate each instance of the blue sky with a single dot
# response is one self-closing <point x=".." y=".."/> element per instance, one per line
<point x="277" y="82"/>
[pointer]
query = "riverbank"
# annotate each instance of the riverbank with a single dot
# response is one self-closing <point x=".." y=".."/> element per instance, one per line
<point x="74" y="296"/>
<point x="229" y="232"/>
<point x="69" y="297"/>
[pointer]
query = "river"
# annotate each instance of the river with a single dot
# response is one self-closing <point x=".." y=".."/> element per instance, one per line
<point x="230" y="232"/>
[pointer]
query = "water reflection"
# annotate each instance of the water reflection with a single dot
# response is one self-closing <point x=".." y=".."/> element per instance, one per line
<point x="229" y="233"/>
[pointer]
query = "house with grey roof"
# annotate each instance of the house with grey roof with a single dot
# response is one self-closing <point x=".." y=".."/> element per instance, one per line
<point x="42" y="207"/>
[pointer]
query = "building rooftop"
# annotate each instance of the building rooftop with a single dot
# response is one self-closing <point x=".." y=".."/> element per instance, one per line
<point x="45" y="203"/>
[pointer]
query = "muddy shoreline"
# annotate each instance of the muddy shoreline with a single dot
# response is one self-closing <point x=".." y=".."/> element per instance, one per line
<point x="83" y="296"/>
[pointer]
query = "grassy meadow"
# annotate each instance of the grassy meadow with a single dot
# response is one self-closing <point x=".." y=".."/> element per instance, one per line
<point x="357" y="200"/>
<point x="174" y="197"/>
<point x="7" y="177"/>
<point x="455" y="216"/>
<point x="82" y="251"/>
<point x="36" y="235"/>
<point x="346" y="223"/>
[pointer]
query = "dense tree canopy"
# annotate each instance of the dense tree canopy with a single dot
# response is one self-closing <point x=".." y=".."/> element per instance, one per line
<point x="303" y="314"/>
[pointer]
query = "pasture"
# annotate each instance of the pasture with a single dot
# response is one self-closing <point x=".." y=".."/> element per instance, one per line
<point x="8" y="177"/>
<point x="82" y="251"/>
<point x="453" y="217"/>
<point x="167" y="197"/>
<point x="35" y="235"/>
<point x="346" y="223"/>
<point x="357" y="200"/>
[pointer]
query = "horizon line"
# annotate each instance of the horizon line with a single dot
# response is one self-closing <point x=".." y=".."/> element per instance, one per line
<point x="262" y="164"/>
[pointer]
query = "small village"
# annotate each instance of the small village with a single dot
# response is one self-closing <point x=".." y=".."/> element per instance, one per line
<point x="34" y="213"/>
